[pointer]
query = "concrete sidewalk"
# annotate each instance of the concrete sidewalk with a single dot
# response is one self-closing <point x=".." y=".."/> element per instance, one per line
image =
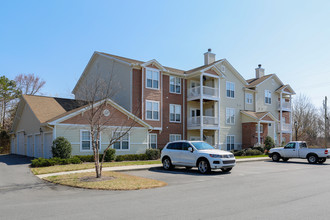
<point x="137" y="167"/>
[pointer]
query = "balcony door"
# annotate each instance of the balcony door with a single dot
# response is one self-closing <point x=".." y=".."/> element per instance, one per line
<point x="195" y="114"/>
<point x="194" y="88"/>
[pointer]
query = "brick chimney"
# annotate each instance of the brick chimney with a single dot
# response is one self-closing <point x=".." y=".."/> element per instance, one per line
<point x="209" y="57"/>
<point x="260" y="72"/>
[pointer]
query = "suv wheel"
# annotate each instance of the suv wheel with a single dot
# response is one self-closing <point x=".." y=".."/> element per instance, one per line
<point x="167" y="164"/>
<point x="204" y="166"/>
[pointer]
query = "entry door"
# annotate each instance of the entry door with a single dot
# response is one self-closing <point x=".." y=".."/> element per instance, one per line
<point x="48" y="139"/>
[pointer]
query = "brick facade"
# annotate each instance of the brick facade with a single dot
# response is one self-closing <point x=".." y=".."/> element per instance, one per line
<point x="250" y="135"/>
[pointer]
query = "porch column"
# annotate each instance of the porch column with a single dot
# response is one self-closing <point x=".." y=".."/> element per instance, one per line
<point x="258" y="132"/>
<point x="219" y="113"/>
<point x="201" y="106"/>
<point x="291" y="117"/>
<point x="281" y="126"/>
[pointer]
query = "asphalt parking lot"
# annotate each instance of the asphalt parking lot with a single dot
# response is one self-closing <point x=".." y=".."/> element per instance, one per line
<point x="254" y="190"/>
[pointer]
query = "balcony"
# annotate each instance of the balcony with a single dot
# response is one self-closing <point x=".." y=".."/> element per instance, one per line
<point x="208" y="93"/>
<point x="286" y="128"/>
<point x="286" y="106"/>
<point x="208" y="122"/>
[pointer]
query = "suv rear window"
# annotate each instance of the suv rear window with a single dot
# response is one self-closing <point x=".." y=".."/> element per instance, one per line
<point x="175" y="146"/>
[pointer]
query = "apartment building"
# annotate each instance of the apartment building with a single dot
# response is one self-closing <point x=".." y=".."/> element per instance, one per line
<point x="212" y="102"/>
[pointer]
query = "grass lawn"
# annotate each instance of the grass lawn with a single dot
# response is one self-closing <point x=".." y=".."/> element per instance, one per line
<point x="244" y="157"/>
<point x="83" y="166"/>
<point x="109" y="181"/>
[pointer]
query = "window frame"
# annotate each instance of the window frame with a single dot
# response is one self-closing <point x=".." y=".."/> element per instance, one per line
<point x="152" y="111"/>
<point x="231" y="138"/>
<point x="230" y="86"/>
<point x="175" y="137"/>
<point x="175" y="114"/>
<point x="268" y="96"/>
<point x="152" y="78"/>
<point x="90" y="141"/>
<point x="234" y="116"/>
<point x="248" y="97"/>
<point x="149" y="142"/>
<point x="121" y="141"/>
<point x="175" y="84"/>
<point x="261" y="129"/>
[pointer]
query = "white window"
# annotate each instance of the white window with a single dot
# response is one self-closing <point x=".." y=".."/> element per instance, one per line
<point x="175" y="113"/>
<point x="86" y="140"/>
<point x="152" y="79"/>
<point x="230" y="116"/>
<point x="261" y="128"/>
<point x="152" y="112"/>
<point x="230" y="142"/>
<point x="175" y="85"/>
<point x="230" y="88"/>
<point x="268" y="97"/>
<point x="248" y="98"/>
<point x="175" y="137"/>
<point x="153" y="141"/>
<point x="123" y="141"/>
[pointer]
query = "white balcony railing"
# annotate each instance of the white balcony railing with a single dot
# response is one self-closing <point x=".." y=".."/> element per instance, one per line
<point x="285" y="106"/>
<point x="207" y="121"/>
<point x="207" y="91"/>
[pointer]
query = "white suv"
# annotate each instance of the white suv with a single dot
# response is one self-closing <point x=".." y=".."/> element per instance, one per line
<point x="196" y="154"/>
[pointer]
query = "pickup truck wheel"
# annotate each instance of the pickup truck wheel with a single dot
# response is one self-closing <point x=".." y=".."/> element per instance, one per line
<point x="285" y="159"/>
<point x="312" y="158"/>
<point x="276" y="157"/>
<point x="226" y="170"/>
<point x="322" y="160"/>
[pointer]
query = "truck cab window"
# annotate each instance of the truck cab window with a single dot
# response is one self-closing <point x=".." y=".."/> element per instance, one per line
<point x="290" y="146"/>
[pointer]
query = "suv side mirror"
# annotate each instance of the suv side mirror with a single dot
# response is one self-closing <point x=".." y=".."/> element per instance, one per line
<point x="190" y="149"/>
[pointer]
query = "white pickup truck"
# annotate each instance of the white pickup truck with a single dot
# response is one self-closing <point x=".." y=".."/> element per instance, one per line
<point x="299" y="149"/>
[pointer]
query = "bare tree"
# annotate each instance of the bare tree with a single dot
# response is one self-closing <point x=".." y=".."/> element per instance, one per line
<point x="307" y="119"/>
<point x="98" y="92"/>
<point x="29" y="84"/>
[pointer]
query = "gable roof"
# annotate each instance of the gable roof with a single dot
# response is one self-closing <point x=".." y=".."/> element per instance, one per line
<point x="256" y="81"/>
<point x="258" y="116"/>
<point x="74" y="112"/>
<point x="283" y="87"/>
<point x="46" y="108"/>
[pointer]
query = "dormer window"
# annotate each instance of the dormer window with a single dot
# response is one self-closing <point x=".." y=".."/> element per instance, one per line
<point x="152" y="79"/>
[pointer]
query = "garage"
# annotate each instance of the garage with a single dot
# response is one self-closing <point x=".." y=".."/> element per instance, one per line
<point x="37" y="146"/>
<point x="47" y="148"/>
<point x="29" y="146"/>
<point x="20" y="143"/>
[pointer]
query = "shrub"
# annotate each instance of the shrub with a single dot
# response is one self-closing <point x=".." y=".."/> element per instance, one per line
<point x="42" y="162"/>
<point x="239" y="153"/>
<point x="252" y="152"/>
<point x="259" y="148"/>
<point x="61" y="148"/>
<point x="269" y="143"/>
<point x="110" y="155"/>
<point x="130" y="157"/>
<point x="153" y="154"/>
<point x="85" y="158"/>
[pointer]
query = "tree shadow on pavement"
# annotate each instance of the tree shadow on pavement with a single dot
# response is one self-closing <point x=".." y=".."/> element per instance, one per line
<point x="13" y="159"/>
<point x="191" y="172"/>
<point x="298" y="162"/>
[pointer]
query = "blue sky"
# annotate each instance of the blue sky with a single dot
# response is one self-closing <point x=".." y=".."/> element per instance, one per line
<point x="55" y="39"/>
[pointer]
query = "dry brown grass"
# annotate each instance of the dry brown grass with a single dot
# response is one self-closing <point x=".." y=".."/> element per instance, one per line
<point x="119" y="181"/>
<point x="84" y="166"/>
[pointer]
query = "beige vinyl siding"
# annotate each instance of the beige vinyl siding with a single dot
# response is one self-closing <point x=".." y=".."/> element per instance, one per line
<point x="109" y="72"/>
<point x="249" y="106"/>
<point x="137" y="139"/>
<point x="28" y="122"/>
<point x="237" y="103"/>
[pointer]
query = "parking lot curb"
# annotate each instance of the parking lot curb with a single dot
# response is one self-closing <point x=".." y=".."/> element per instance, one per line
<point x="137" y="167"/>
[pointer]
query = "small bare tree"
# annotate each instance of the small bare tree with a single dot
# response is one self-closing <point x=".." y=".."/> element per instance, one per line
<point x="98" y="92"/>
<point x="29" y="84"/>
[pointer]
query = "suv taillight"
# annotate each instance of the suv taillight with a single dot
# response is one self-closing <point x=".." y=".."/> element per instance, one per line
<point x="326" y="151"/>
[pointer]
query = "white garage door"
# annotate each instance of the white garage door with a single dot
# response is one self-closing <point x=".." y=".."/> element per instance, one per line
<point x="48" y="141"/>
<point x="29" y="146"/>
<point x="37" y="146"/>
<point x="12" y="146"/>
<point x="20" y="143"/>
